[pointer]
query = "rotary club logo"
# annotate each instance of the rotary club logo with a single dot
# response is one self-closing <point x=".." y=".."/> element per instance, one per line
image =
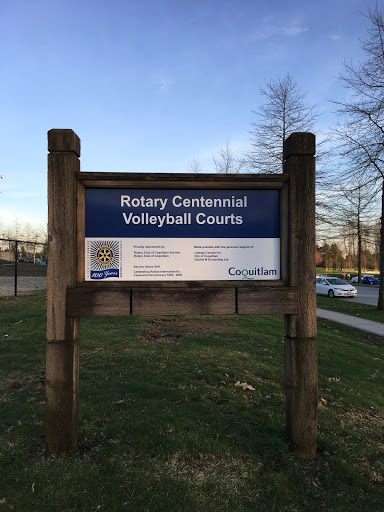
<point x="105" y="255"/>
<point x="104" y="259"/>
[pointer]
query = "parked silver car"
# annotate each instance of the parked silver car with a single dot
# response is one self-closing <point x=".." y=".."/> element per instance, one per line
<point x="334" y="287"/>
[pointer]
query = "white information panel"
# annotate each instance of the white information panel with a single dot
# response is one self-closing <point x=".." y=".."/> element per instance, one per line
<point x="183" y="259"/>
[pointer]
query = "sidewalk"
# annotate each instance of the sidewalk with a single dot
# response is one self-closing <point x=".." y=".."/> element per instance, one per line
<point x="353" y="321"/>
<point x="24" y="284"/>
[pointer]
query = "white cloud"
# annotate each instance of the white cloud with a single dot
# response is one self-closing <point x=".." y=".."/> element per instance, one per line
<point x="268" y="29"/>
<point x="293" y="30"/>
<point x="163" y="83"/>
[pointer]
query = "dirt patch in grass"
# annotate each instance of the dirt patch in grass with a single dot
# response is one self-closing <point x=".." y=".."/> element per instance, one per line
<point x="371" y="339"/>
<point x="360" y="419"/>
<point x="203" y="469"/>
<point x="155" y="335"/>
<point x="173" y="329"/>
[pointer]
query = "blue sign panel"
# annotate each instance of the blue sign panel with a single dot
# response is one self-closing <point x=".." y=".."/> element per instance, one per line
<point x="146" y="213"/>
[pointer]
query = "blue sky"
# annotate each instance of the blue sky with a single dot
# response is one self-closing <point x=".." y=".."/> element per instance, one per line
<point x="150" y="85"/>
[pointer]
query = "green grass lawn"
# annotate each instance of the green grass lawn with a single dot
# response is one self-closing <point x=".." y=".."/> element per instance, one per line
<point x="164" y="427"/>
<point x="350" y="307"/>
<point x="339" y="273"/>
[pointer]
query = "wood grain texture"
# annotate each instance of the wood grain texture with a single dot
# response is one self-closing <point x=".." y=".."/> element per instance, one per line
<point x="284" y="234"/>
<point x="301" y="394"/>
<point x="61" y="272"/>
<point x="80" y="237"/>
<point x="62" y="391"/>
<point x="89" y="301"/>
<point x="99" y="302"/>
<point x="266" y="301"/>
<point x="301" y="238"/>
<point x="299" y="143"/>
<point x="63" y="140"/>
<point x="122" y="301"/>
<point x="62" y="361"/>
<point x="301" y="328"/>
<point x="176" y="301"/>
<point x="125" y="184"/>
<point x="172" y="180"/>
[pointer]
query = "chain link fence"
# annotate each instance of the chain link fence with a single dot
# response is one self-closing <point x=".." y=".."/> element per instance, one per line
<point x="23" y="266"/>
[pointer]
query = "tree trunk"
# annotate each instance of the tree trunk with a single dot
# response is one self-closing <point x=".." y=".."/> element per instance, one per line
<point x="358" y="242"/>
<point x="380" y="303"/>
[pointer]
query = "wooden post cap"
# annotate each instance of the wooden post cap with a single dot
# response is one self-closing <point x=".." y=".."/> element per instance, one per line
<point x="299" y="143"/>
<point x="63" y="140"/>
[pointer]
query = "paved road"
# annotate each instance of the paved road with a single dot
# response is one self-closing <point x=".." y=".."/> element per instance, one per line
<point x="366" y="295"/>
<point x="24" y="285"/>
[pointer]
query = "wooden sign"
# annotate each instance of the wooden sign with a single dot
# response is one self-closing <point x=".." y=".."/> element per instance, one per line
<point x="166" y="244"/>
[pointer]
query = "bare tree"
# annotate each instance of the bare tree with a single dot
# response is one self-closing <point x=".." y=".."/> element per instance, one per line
<point x="195" y="167"/>
<point x="226" y="162"/>
<point x="361" y="132"/>
<point x="16" y="227"/>
<point x="356" y="213"/>
<point x="285" y="111"/>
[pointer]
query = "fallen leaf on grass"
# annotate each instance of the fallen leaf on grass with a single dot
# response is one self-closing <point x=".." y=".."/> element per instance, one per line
<point x="323" y="401"/>
<point x="374" y="375"/>
<point x="19" y="322"/>
<point x="16" y="384"/>
<point x="118" y="402"/>
<point x="245" y="386"/>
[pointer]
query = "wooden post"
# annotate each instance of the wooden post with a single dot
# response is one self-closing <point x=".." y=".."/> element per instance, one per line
<point x="62" y="368"/>
<point x="16" y="264"/>
<point x="301" y="328"/>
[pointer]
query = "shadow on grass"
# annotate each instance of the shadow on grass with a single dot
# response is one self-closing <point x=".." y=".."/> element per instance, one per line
<point x="175" y="387"/>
